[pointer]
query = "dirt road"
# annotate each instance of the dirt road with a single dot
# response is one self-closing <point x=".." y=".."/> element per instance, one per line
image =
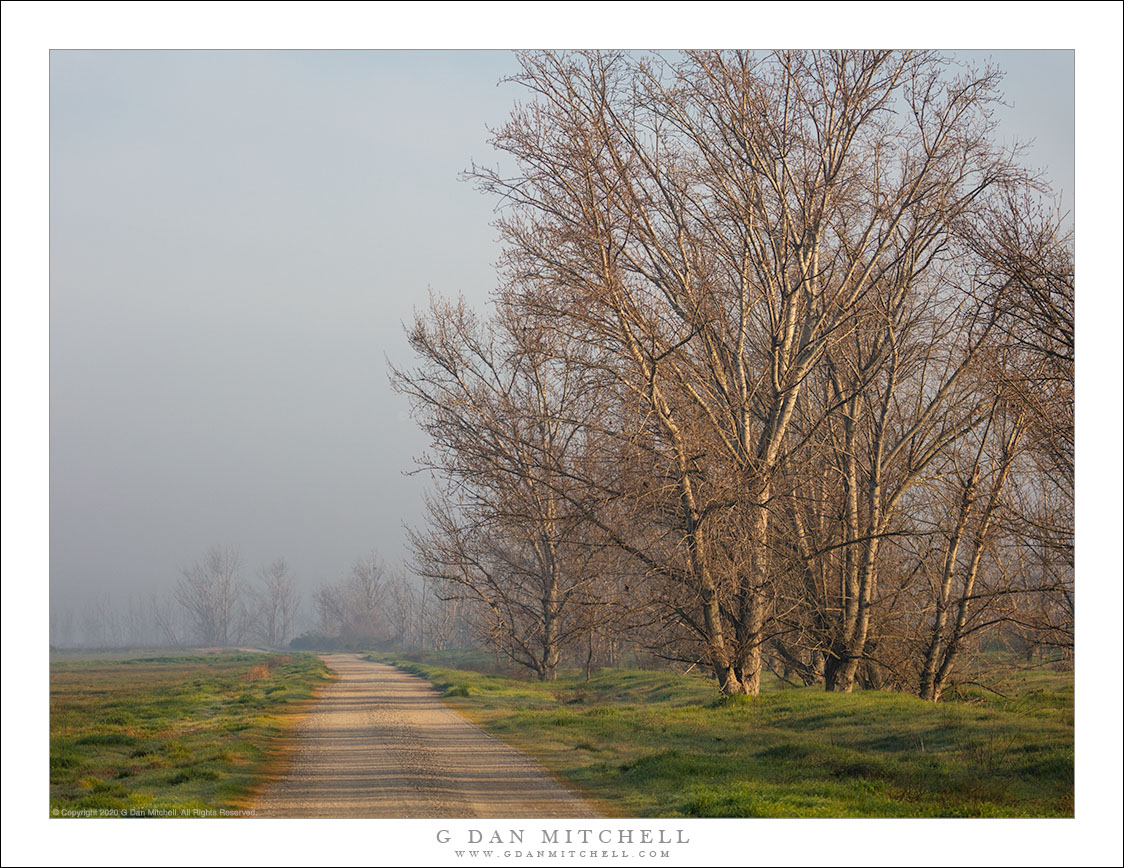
<point x="380" y="743"/>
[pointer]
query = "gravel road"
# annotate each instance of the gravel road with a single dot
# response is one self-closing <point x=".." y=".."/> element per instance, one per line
<point x="380" y="743"/>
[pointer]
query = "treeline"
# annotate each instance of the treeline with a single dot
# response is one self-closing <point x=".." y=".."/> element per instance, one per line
<point x="214" y="604"/>
<point x="211" y="604"/>
<point x="376" y="607"/>
<point x="779" y="373"/>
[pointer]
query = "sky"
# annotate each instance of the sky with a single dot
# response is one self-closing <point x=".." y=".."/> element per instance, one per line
<point x="236" y="240"/>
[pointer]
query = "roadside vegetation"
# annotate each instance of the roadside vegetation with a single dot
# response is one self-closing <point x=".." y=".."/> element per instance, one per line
<point x="647" y="743"/>
<point x="170" y="733"/>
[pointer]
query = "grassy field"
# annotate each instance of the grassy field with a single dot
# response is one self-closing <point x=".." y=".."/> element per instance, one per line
<point x="644" y="743"/>
<point x="145" y="736"/>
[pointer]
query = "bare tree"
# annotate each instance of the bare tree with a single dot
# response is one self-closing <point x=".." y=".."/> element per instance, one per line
<point x="365" y="597"/>
<point x="276" y="603"/>
<point x="403" y="608"/>
<point x="331" y="609"/>
<point x="1031" y="283"/>
<point x="210" y="594"/>
<point x="1007" y="558"/>
<point x="168" y="628"/>
<point x="502" y="405"/>
<point x="355" y="608"/>
<point x="977" y="491"/>
<point x="442" y="621"/>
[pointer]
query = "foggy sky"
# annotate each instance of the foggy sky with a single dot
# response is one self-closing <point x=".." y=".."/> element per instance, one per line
<point x="236" y="239"/>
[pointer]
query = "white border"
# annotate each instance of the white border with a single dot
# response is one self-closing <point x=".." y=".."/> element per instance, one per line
<point x="31" y="29"/>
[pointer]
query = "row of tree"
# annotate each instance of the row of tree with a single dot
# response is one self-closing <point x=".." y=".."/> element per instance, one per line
<point x="375" y="606"/>
<point x="780" y="372"/>
<point x="213" y="605"/>
<point x="210" y="605"/>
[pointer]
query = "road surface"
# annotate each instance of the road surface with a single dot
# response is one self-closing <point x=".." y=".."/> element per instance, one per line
<point x="380" y="743"/>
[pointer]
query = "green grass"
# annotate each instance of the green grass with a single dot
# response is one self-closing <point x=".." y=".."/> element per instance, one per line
<point x="644" y="743"/>
<point x="169" y="733"/>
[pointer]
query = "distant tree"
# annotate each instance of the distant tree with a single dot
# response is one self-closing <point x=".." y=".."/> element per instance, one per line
<point x="210" y="594"/>
<point x="784" y="333"/>
<point x="354" y="608"/>
<point x="275" y="603"/>
<point x="365" y="596"/>
<point x="404" y="605"/>
<point x="442" y="622"/>
<point x="331" y="610"/>
<point x="167" y="627"/>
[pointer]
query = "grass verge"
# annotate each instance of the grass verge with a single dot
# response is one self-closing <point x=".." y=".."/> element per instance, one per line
<point x="171" y="735"/>
<point x="654" y="744"/>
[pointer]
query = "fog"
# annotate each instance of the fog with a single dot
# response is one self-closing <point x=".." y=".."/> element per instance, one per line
<point x="236" y="240"/>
